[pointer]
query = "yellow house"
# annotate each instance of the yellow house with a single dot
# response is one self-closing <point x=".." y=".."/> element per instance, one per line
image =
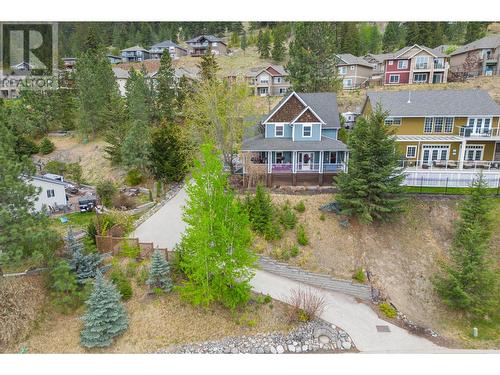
<point x="443" y="130"/>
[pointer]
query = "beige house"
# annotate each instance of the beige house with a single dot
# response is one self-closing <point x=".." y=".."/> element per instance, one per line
<point x="480" y="57"/>
<point x="271" y="80"/>
<point x="354" y="71"/>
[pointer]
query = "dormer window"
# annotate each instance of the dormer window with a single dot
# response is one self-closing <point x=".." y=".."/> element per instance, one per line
<point x="279" y="130"/>
<point x="306" y="131"/>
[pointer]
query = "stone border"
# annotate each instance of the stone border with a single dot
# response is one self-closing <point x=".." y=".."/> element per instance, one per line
<point x="307" y="338"/>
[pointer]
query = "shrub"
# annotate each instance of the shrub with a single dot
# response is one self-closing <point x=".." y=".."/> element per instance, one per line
<point x="131" y="269"/>
<point x="106" y="191"/>
<point x="142" y="276"/>
<point x="302" y="237"/>
<point x="26" y="146"/>
<point x="134" y="177"/>
<point x="64" y="286"/>
<point x="359" y="275"/>
<point x="261" y="211"/>
<point x="322" y="217"/>
<point x="305" y="305"/>
<point x="121" y="200"/>
<point x="281" y="254"/>
<point x="388" y="310"/>
<point x="74" y="172"/>
<point x="294" y="251"/>
<point x="287" y="217"/>
<point x="300" y="207"/>
<point x="122" y="283"/>
<point x="159" y="273"/>
<point x="55" y="167"/>
<point x="273" y="232"/>
<point x="128" y="251"/>
<point x="46" y="146"/>
<point x="267" y="299"/>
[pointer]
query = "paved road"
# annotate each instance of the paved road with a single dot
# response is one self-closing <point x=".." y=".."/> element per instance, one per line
<point x="165" y="227"/>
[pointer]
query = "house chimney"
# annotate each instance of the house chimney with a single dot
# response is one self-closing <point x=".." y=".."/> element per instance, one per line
<point x="409" y="97"/>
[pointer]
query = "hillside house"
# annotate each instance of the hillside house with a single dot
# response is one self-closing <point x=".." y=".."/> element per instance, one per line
<point x="51" y="193"/>
<point x="354" y="71"/>
<point x="172" y="48"/>
<point x="271" y="80"/>
<point x="480" y="57"/>
<point x="443" y="135"/>
<point x="135" y="53"/>
<point x="296" y="143"/>
<point x="199" y="46"/>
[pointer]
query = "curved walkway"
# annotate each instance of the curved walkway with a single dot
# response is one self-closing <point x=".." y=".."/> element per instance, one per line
<point x="164" y="228"/>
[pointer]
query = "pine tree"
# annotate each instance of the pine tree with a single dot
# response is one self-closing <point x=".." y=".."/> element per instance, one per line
<point x="243" y="41"/>
<point x="264" y="44"/>
<point x="371" y="188"/>
<point x="23" y="233"/>
<point x="106" y="316"/>
<point x="349" y="38"/>
<point x="170" y="153"/>
<point x="475" y="30"/>
<point x="467" y="283"/>
<point x="215" y="250"/>
<point x="261" y="210"/>
<point x="312" y="64"/>
<point x="393" y="37"/>
<point x="159" y="273"/>
<point x="278" y="52"/>
<point x="234" y="41"/>
<point x="412" y="33"/>
<point x="136" y="147"/>
<point x="85" y="266"/>
<point x="208" y="66"/>
<point x="166" y="87"/>
<point x="139" y="97"/>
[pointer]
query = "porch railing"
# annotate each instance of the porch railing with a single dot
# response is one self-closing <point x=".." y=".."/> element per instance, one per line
<point x="449" y="164"/>
<point x="466" y="131"/>
<point x="333" y="167"/>
<point x="282" y="168"/>
<point x="310" y="167"/>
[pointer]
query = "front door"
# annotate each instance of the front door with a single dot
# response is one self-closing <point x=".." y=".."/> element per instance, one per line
<point x="306" y="160"/>
<point x="437" y="78"/>
<point x="434" y="153"/>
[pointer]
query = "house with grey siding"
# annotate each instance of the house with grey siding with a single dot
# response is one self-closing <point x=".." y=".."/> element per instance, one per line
<point x="480" y="57"/>
<point x="135" y="53"/>
<point x="354" y="71"/>
<point x="172" y="48"/>
<point x="296" y="143"/>
<point x="200" y="45"/>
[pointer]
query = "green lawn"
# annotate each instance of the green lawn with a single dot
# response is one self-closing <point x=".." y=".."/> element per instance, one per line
<point x="76" y="220"/>
<point x="442" y="190"/>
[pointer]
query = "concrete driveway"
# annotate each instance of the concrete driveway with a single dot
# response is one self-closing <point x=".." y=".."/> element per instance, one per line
<point x="165" y="227"/>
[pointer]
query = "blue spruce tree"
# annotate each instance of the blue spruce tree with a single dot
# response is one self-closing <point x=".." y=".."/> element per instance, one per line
<point x="159" y="273"/>
<point x="85" y="266"/>
<point x="106" y="316"/>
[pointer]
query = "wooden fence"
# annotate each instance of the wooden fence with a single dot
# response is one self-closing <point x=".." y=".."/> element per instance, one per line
<point x="114" y="245"/>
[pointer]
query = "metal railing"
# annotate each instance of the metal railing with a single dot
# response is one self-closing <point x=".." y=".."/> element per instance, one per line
<point x="466" y="131"/>
<point x="333" y="167"/>
<point x="449" y="164"/>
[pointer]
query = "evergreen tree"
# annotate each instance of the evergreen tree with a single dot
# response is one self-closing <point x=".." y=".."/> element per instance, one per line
<point x="166" y="87"/>
<point x="393" y="37"/>
<point x="85" y="266"/>
<point x="234" y="41"/>
<point x="106" y="316"/>
<point x="278" y="52"/>
<point x="371" y="188"/>
<point x="312" y="64"/>
<point x="475" y="30"/>
<point x="349" y="38"/>
<point x="468" y="282"/>
<point x="208" y="66"/>
<point x="23" y="233"/>
<point x="139" y="97"/>
<point x="412" y="33"/>
<point x="264" y="44"/>
<point x="136" y="147"/>
<point x="260" y="209"/>
<point x="159" y="273"/>
<point x="215" y="251"/>
<point x="64" y="287"/>
<point x="243" y="41"/>
<point x="170" y="153"/>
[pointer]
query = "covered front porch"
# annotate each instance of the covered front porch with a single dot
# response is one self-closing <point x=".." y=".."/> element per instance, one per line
<point x="295" y="161"/>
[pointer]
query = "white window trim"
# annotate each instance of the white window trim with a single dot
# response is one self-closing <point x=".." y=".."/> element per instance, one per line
<point x="391" y="62"/>
<point x="414" y="152"/>
<point x="282" y="126"/>
<point x="474" y="147"/>
<point x="394" y="75"/>
<point x="404" y="63"/>
<point x="452" y="124"/>
<point x="420" y="74"/>
<point x="310" y="132"/>
<point x="342" y="69"/>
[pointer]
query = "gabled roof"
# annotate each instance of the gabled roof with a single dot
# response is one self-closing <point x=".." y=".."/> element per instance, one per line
<point x="166" y="44"/>
<point x="273" y="70"/>
<point x="134" y="48"/>
<point x="323" y="105"/>
<point x="491" y="41"/>
<point x="210" y="38"/>
<point x="348" y="59"/>
<point x="430" y="51"/>
<point x="473" y="102"/>
<point x="380" y="57"/>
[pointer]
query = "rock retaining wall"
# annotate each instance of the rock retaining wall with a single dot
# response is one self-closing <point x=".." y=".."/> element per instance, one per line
<point x="307" y="338"/>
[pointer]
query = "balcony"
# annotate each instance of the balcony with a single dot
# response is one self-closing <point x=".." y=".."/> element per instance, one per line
<point x="470" y="132"/>
<point x="442" y="165"/>
<point x="421" y="66"/>
<point x="439" y="65"/>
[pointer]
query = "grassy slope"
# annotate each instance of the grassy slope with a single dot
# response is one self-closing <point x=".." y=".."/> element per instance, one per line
<point x="402" y="256"/>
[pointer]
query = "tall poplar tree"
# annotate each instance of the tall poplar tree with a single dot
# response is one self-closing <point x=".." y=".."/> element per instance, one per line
<point x="371" y="189"/>
<point x="215" y="250"/>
